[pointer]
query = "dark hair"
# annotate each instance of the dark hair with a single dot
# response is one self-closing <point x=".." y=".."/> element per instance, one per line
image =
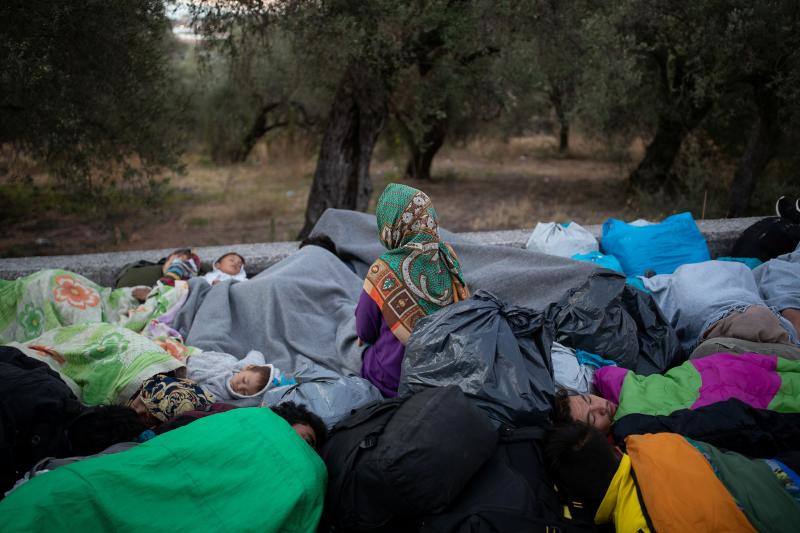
<point x="263" y="372"/>
<point x="581" y="461"/>
<point x="99" y="427"/>
<point x="299" y="414"/>
<point x="323" y="241"/>
<point x="561" y="413"/>
<point x="223" y="256"/>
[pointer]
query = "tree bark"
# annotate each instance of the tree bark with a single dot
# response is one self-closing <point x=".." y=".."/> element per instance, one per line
<point x="655" y="170"/>
<point x="420" y="160"/>
<point x="563" y="122"/>
<point x="356" y="118"/>
<point x="760" y="149"/>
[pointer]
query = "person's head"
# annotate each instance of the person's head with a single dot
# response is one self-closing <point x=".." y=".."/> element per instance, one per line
<point x="230" y="263"/>
<point x="162" y="397"/>
<point x="251" y="379"/>
<point x="570" y="406"/>
<point x="581" y="461"/>
<point x="181" y="253"/>
<point x="321" y="240"/>
<point x="404" y="214"/>
<point x="102" y="426"/>
<point x="309" y="426"/>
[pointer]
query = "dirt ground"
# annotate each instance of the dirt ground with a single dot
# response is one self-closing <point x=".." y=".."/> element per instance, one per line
<point x="480" y="186"/>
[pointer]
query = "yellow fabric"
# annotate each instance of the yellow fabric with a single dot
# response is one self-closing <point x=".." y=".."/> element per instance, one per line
<point x="679" y="488"/>
<point x="621" y="503"/>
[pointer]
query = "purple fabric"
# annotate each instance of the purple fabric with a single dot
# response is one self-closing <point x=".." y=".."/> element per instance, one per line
<point x="382" y="360"/>
<point x="608" y="382"/>
<point x="749" y="377"/>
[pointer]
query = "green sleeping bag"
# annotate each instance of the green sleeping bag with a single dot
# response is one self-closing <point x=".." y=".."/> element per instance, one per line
<point x="242" y="470"/>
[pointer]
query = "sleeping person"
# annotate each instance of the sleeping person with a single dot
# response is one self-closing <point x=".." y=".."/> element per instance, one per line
<point x="748" y="401"/>
<point x="416" y="276"/>
<point x="239" y="382"/>
<point x="229" y="266"/>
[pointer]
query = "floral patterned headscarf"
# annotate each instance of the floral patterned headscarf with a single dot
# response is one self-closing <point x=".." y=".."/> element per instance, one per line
<point x="166" y="397"/>
<point x="418" y="274"/>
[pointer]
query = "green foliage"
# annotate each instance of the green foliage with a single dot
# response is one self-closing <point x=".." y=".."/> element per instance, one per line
<point x="86" y="88"/>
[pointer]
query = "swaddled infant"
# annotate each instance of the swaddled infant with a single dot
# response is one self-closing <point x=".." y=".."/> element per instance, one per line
<point x="229" y="266"/>
<point x="231" y="380"/>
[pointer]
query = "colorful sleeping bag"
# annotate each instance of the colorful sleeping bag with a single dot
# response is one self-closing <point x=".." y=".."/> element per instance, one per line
<point x="692" y="486"/>
<point x="48" y="299"/>
<point x="101" y="363"/>
<point x="243" y="470"/>
<point x="762" y="381"/>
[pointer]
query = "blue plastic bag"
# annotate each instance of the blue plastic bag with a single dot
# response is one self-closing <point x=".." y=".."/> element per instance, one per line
<point x="659" y="247"/>
<point x="606" y="261"/>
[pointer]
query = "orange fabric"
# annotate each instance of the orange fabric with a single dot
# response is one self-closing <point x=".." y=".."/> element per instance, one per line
<point x="679" y="488"/>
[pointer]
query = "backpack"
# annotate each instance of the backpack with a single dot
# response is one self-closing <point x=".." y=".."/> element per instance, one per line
<point x="512" y="493"/>
<point x="394" y="461"/>
<point x="767" y="239"/>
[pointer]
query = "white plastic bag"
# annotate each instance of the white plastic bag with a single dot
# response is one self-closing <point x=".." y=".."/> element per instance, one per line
<point x="564" y="241"/>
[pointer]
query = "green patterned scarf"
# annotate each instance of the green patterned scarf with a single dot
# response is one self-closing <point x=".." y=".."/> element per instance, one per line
<point x="418" y="274"/>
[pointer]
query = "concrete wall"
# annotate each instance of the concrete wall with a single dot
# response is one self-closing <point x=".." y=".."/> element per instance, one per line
<point x="102" y="268"/>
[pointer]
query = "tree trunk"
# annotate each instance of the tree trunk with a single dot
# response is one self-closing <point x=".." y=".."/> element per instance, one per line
<point x="760" y="148"/>
<point x="655" y="170"/>
<point x="356" y="118"/>
<point x="257" y="130"/>
<point x="421" y="158"/>
<point x="563" y="122"/>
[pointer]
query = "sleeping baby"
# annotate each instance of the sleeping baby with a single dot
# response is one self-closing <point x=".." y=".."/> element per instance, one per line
<point x="229" y="266"/>
<point x="234" y="381"/>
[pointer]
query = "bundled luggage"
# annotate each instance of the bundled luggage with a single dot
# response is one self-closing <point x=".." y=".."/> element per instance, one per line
<point x="498" y="354"/>
<point x="395" y="461"/>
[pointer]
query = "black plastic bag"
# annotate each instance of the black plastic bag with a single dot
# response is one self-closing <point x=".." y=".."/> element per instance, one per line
<point x="608" y="317"/>
<point x="498" y="354"/>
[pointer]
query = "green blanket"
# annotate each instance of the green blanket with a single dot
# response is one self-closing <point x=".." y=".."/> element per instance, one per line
<point x="243" y="470"/>
<point x="102" y="363"/>
<point x="48" y="299"/>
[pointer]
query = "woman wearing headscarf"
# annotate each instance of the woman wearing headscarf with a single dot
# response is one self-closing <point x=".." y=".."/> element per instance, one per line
<point x="416" y="276"/>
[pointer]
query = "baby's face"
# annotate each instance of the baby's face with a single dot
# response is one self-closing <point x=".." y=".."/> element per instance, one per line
<point x="247" y="382"/>
<point x="171" y="259"/>
<point x="230" y="264"/>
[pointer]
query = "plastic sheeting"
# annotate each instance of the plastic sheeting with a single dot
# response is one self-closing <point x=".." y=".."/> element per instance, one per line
<point x="324" y="392"/>
<point x="498" y="354"/>
<point x="605" y="316"/>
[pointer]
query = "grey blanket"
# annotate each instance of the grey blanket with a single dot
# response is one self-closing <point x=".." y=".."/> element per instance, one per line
<point x="516" y="276"/>
<point x="303" y="308"/>
<point x="779" y="281"/>
<point x="697" y="295"/>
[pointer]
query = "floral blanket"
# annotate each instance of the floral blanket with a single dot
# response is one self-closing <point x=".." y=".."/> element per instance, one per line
<point x="50" y="299"/>
<point x="102" y="363"/>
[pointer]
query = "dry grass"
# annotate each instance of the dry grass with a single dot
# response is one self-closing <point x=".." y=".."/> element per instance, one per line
<point x="483" y="185"/>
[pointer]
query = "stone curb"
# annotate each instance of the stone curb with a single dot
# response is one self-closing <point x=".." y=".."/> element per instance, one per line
<point x="102" y="268"/>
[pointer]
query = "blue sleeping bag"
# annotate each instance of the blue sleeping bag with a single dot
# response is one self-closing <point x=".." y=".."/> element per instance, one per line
<point x="659" y="247"/>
